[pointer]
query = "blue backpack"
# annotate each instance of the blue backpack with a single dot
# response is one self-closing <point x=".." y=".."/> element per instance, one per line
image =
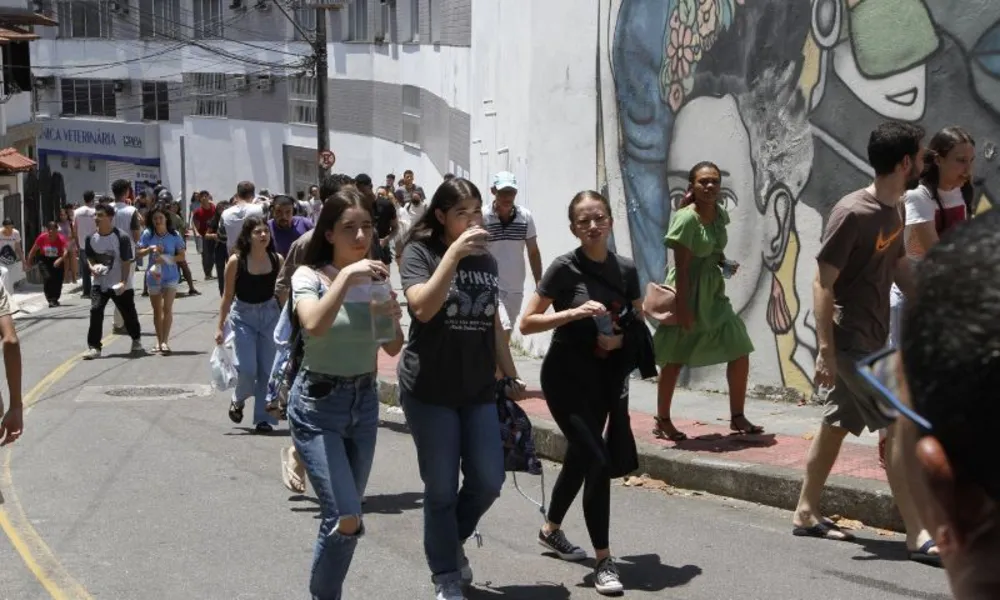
<point x="515" y="433"/>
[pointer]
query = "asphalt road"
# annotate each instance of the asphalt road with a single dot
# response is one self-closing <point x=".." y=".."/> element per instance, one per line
<point x="115" y="493"/>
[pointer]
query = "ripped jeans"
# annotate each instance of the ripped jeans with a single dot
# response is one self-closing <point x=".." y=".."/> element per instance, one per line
<point x="334" y="423"/>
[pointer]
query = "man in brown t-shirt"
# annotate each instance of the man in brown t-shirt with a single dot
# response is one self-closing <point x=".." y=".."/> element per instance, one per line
<point x="861" y="256"/>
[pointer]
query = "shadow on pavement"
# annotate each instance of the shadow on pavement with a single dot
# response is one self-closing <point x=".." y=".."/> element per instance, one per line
<point x="646" y="572"/>
<point x="380" y="504"/>
<point x="885" y="587"/>
<point x="242" y="431"/>
<point x="878" y="549"/>
<point x="718" y="443"/>
<point x="539" y="591"/>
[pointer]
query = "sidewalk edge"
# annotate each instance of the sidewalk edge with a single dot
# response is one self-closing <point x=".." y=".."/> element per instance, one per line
<point x="867" y="501"/>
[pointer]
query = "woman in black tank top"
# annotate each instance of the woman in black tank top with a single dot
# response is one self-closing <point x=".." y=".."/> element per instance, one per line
<point x="251" y="310"/>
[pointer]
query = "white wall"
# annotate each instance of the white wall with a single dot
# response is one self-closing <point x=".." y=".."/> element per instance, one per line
<point x="221" y="152"/>
<point x="540" y="75"/>
<point x="442" y="70"/>
<point x="17" y="110"/>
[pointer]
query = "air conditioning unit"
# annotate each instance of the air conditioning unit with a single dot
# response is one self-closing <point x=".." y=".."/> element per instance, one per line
<point x="42" y="83"/>
<point x="121" y="85"/>
<point x="265" y="83"/>
<point x="239" y="83"/>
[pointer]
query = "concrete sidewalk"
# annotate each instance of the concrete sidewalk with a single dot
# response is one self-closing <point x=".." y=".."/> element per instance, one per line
<point x="764" y="468"/>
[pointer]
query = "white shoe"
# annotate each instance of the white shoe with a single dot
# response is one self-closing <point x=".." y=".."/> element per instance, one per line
<point x="91" y="354"/>
<point x="449" y="591"/>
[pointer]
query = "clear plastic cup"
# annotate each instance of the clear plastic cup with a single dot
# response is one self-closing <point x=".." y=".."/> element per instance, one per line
<point x="383" y="323"/>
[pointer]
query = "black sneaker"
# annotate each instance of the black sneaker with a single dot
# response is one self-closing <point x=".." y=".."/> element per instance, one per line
<point x="606" y="578"/>
<point x="557" y="543"/>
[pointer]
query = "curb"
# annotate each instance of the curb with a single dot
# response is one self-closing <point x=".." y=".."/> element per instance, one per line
<point x="867" y="501"/>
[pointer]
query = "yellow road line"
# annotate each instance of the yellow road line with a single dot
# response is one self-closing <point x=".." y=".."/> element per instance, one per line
<point x="35" y="553"/>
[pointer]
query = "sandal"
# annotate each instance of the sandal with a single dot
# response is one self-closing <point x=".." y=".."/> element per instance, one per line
<point x="164" y="349"/>
<point x="924" y="555"/>
<point x="292" y="480"/>
<point x="749" y="428"/>
<point x="826" y="530"/>
<point x="665" y="430"/>
<point x="263" y="427"/>
<point x="235" y="412"/>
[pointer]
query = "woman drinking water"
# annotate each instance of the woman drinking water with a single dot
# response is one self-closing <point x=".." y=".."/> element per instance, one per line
<point x="333" y="404"/>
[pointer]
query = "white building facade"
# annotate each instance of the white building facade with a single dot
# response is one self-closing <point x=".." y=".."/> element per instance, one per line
<point x="201" y="94"/>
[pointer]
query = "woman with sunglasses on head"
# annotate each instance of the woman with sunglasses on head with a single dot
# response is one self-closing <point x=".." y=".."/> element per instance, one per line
<point x="250" y="276"/>
<point x="596" y="300"/>
<point x="333" y="404"/>
<point x="708" y="332"/>
<point x="446" y="375"/>
<point x="161" y="242"/>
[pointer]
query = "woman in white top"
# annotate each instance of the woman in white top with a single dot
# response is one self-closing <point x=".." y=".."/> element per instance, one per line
<point x="941" y="201"/>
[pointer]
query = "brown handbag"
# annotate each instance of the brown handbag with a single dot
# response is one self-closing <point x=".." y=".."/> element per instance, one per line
<point x="660" y="303"/>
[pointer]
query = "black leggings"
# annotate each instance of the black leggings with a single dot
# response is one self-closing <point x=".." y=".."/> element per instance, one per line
<point x="580" y="390"/>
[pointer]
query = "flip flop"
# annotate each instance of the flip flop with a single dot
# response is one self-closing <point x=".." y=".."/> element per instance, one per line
<point x="289" y="477"/>
<point x="923" y="554"/>
<point x="824" y="530"/>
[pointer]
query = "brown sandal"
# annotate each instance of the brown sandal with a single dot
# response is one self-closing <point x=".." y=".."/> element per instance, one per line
<point x="665" y="430"/>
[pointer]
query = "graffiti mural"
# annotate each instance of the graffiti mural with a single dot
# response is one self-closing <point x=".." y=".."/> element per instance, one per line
<point x="782" y="94"/>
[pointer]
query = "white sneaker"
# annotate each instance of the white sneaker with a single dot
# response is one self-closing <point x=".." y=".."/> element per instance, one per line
<point x="91" y="354"/>
<point x="606" y="578"/>
<point x="449" y="591"/>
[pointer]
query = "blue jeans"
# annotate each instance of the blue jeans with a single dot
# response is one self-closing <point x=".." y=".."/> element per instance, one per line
<point x="449" y="440"/>
<point x="334" y="423"/>
<point x="253" y="325"/>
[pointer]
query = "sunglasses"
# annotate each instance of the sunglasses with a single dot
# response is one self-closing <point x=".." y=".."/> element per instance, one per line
<point x="881" y="373"/>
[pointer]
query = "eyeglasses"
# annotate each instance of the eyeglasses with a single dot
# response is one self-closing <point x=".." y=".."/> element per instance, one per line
<point x="881" y="371"/>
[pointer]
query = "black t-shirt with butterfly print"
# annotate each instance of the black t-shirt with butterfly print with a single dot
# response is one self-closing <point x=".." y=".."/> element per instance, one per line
<point x="451" y="359"/>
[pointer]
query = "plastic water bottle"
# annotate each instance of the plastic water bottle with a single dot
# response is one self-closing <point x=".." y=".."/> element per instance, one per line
<point x="604" y="325"/>
<point x="383" y="323"/>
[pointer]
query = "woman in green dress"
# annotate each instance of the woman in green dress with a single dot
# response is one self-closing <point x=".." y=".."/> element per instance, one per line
<point x="709" y="332"/>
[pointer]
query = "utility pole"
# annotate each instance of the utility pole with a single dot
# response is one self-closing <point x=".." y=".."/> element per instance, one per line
<point x="322" y="74"/>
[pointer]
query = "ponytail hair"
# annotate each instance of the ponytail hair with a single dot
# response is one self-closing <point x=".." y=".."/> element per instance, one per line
<point x="940" y="146"/>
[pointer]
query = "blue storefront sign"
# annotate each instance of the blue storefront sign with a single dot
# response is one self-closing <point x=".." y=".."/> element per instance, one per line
<point x="136" y="143"/>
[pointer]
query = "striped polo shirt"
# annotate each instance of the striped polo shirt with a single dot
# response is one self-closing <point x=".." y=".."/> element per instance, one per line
<point x="507" y="243"/>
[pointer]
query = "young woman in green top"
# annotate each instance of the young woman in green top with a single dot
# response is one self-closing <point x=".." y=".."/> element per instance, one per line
<point x="709" y="331"/>
<point x="333" y="404"/>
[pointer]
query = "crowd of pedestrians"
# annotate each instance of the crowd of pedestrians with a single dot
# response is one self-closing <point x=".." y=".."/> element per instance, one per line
<point x="306" y="304"/>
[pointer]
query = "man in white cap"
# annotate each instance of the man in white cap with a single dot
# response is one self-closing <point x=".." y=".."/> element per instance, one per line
<point x="511" y="231"/>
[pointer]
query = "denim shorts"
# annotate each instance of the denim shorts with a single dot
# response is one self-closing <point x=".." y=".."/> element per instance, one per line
<point x="157" y="286"/>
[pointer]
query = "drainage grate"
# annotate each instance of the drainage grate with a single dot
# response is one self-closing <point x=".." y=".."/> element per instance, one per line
<point x="146" y="391"/>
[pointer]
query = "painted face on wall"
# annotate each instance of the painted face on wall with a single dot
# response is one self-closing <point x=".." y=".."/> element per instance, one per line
<point x="711" y="129"/>
<point x="901" y="96"/>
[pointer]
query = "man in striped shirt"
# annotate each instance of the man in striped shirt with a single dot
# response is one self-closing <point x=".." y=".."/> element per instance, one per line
<point x="512" y="230"/>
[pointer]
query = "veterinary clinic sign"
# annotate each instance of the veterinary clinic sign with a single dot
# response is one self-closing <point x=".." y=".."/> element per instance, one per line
<point x="101" y="138"/>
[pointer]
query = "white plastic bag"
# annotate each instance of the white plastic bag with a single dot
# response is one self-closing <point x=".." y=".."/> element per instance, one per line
<point x="223" y="365"/>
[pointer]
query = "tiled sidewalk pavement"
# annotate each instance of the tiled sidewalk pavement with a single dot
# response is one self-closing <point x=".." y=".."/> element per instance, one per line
<point x="763" y="468"/>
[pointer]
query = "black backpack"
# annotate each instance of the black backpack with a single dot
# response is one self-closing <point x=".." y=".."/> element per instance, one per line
<point x="515" y="433"/>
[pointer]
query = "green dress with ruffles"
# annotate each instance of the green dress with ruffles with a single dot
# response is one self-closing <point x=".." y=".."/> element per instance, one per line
<point x="718" y="335"/>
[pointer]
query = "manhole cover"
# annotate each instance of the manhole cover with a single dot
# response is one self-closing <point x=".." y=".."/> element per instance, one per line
<point x="152" y="391"/>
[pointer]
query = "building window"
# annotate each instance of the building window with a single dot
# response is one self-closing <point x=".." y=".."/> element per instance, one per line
<point x="302" y="100"/>
<point x="159" y="18"/>
<point x="207" y="19"/>
<point x="209" y="94"/>
<point x="88" y="98"/>
<point x="155" y="101"/>
<point x="414" y="20"/>
<point x="411" y="115"/>
<point x="84" y="19"/>
<point x="303" y="173"/>
<point x="357" y="21"/>
<point x="306" y="20"/>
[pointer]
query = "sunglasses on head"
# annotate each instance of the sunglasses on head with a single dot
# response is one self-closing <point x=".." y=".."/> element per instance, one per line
<point x="881" y="372"/>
